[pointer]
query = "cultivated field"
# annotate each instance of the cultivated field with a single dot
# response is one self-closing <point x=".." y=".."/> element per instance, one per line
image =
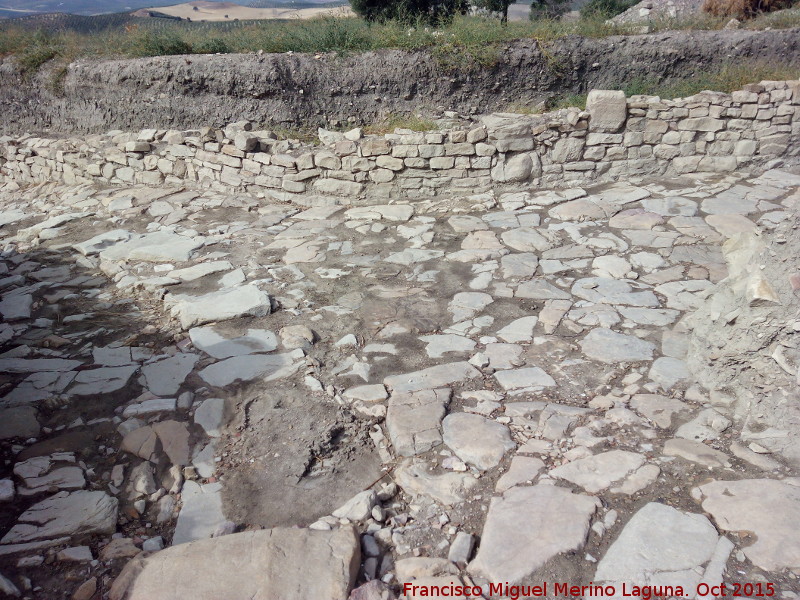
<point x="228" y="11"/>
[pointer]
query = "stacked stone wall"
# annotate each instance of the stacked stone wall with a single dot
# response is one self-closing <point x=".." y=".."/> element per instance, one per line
<point x="615" y="137"/>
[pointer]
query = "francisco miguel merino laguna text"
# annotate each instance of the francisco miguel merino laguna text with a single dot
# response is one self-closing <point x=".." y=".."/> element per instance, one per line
<point x="514" y="592"/>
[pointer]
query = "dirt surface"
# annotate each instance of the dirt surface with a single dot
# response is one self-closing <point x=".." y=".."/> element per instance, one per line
<point x="184" y="91"/>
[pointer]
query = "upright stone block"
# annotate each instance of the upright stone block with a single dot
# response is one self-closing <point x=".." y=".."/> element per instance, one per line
<point x="607" y="110"/>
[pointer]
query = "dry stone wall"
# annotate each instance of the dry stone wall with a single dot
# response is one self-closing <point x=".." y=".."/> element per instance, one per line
<point x="614" y="137"/>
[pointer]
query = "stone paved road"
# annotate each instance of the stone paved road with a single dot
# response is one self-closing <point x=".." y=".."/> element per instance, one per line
<point x="491" y="389"/>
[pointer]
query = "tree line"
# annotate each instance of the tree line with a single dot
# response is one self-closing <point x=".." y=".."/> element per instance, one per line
<point x="442" y="10"/>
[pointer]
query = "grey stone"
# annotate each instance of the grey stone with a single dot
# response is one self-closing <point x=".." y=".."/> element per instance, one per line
<point x="212" y="343"/>
<point x="164" y="377"/>
<point x="659" y="409"/>
<point x="601" y="471"/>
<point x="527" y="378"/>
<point x="528" y="526"/>
<point x="667" y="372"/>
<point x="200" y="270"/>
<point x="660" y="545"/>
<point x="246" y="300"/>
<point x="253" y="565"/>
<point x="201" y="512"/>
<point x="763" y="507"/>
<point x="432" y="377"/>
<point x="447" y="488"/>
<point x="413" y="420"/>
<point x="519" y="330"/>
<point x="523" y="469"/>
<point x="461" y="549"/>
<point x="249" y="367"/>
<point x="610" y="347"/>
<point x="358" y="508"/>
<point x="80" y="512"/>
<point x="476" y="440"/>
<point x="439" y="345"/>
<point x="102" y="381"/>
<point x="209" y="416"/>
<point x="608" y="110"/>
<point x="160" y="246"/>
<point x="696" y="452"/>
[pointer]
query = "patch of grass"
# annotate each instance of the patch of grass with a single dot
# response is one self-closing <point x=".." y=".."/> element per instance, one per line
<point x="392" y="122"/>
<point x="568" y="101"/>
<point x="730" y="77"/>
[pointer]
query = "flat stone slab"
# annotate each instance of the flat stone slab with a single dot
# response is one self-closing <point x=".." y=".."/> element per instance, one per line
<point x="432" y="377"/>
<point x="603" y="290"/>
<point x="164" y="377"/>
<point x="610" y="347"/>
<point x="528" y="526"/>
<point x="439" y="345"/>
<point x="209" y="416"/>
<point x="254" y="565"/>
<point x="601" y="471"/>
<point x="528" y="377"/>
<point x="65" y="514"/>
<point x="446" y="488"/>
<point x="476" y="440"/>
<point x="201" y="512"/>
<point x="214" y="344"/>
<point x="659" y="409"/>
<point x="766" y="507"/>
<point x="159" y="246"/>
<point x="696" y="452"/>
<point x="413" y="420"/>
<point x="102" y="381"/>
<point x="267" y="367"/>
<point x="225" y="304"/>
<point x="660" y="545"/>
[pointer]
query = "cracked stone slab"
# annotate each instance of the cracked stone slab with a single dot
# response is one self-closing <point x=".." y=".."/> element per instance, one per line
<point x="65" y="514"/>
<point x="252" y="565"/>
<point x="660" y="545"/>
<point x="432" y="377"/>
<point x="525" y="378"/>
<point x="602" y="290"/>
<point x="214" y="344"/>
<point x="763" y="507"/>
<point x="599" y="472"/>
<point x="164" y="377"/>
<point x="413" y="420"/>
<point x="439" y="345"/>
<point x="159" y="246"/>
<point x="528" y="526"/>
<point x="266" y="367"/>
<point x="225" y="304"/>
<point x="446" y="488"/>
<point x="476" y="440"/>
<point x="611" y="347"/>
<point x="201" y="514"/>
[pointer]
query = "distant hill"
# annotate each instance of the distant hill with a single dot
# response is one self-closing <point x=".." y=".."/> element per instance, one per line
<point x="21" y="8"/>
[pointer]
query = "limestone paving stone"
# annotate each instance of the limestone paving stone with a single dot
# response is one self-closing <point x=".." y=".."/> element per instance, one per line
<point x="763" y="507"/>
<point x="413" y="419"/>
<point x="608" y="346"/>
<point x="476" y="440"/>
<point x="265" y="565"/>
<point x="600" y="471"/>
<point x="660" y="545"/>
<point x="527" y="526"/>
<point x="80" y="512"/>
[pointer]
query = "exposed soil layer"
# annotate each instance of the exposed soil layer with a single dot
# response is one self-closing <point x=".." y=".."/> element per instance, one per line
<point x="184" y="91"/>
